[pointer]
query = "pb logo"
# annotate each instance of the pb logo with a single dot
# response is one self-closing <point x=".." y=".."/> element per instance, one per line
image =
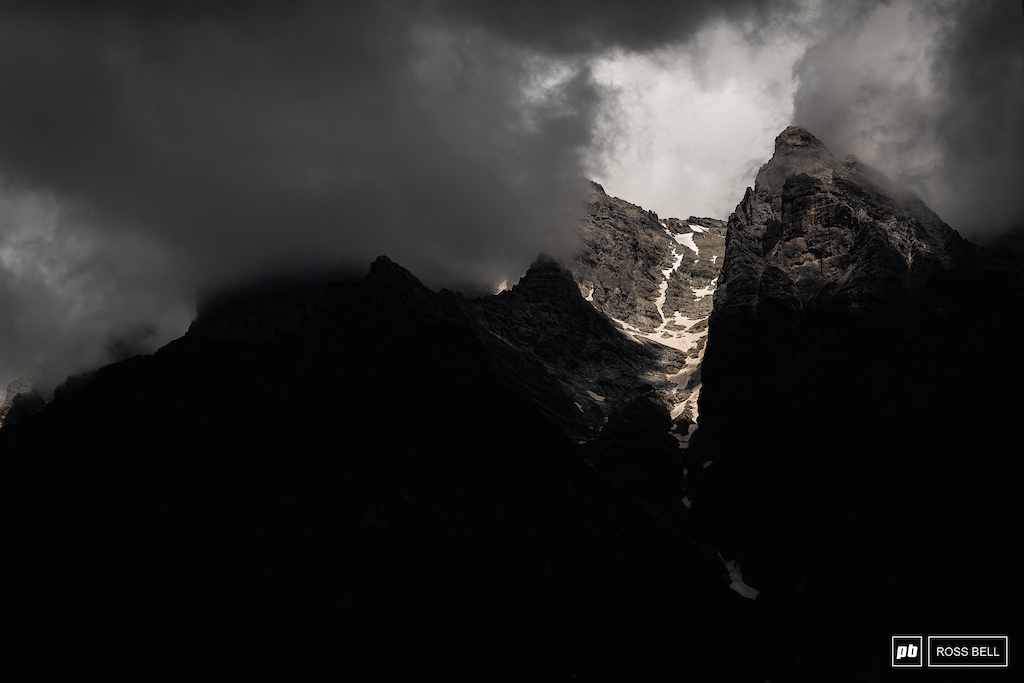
<point x="907" y="651"/>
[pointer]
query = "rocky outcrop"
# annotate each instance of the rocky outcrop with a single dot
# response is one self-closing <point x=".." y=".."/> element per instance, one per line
<point x="854" y="417"/>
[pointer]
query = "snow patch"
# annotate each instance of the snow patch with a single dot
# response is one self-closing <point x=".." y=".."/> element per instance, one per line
<point x="663" y="289"/>
<point x="684" y="440"/>
<point x="668" y="273"/>
<point x="736" y="574"/>
<point x="687" y="502"/>
<point x="704" y="291"/>
<point x="697" y="228"/>
<point x="677" y="341"/>
<point x="687" y="240"/>
<point x="596" y="397"/>
<point x="682" y="321"/>
<point x="578" y="406"/>
<point x="680" y="408"/>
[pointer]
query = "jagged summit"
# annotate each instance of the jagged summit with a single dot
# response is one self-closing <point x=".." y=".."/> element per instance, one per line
<point x="813" y="223"/>
<point x="547" y="280"/>
<point x="796" y="150"/>
<point x="384" y="268"/>
<point x="798" y="140"/>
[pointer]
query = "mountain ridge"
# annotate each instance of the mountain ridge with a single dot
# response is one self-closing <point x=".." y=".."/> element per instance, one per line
<point x="371" y="460"/>
<point x="407" y="465"/>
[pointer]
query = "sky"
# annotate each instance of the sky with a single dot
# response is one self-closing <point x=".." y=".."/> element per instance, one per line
<point x="150" y="149"/>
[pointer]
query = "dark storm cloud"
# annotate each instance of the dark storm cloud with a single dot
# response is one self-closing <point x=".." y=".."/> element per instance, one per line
<point x="185" y="142"/>
<point x="953" y="128"/>
<point x="574" y="26"/>
<point x="380" y="127"/>
<point x="980" y="67"/>
<point x="236" y="139"/>
<point x="147" y="148"/>
<point x="67" y="297"/>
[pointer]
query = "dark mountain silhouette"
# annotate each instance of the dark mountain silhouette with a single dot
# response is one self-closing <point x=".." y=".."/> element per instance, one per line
<point x="418" y="481"/>
<point x="857" y="418"/>
<point x="371" y="463"/>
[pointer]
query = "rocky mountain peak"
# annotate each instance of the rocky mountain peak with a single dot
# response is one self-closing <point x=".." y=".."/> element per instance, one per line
<point x="796" y="139"/>
<point x="384" y="270"/>
<point x="813" y="223"/>
<point x="796" y="150"/>
<point x="548" y="280"/>
<point x="847" y="314"/>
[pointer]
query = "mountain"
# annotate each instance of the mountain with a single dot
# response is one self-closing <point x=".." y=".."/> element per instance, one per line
<point x="522" y="483"/>
<point x="369" y="463"/>
<point x="856" y="415"/>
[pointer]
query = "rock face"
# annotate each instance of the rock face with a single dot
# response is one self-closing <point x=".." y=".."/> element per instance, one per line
<point x="854" y="412"/>
<point x="815" y="227"/>
<point x="655" y="278"/>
